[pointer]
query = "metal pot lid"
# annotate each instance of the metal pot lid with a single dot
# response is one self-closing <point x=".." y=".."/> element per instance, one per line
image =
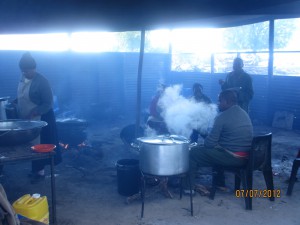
<point x="164" y="139"/>
<point x="19" y="125"/>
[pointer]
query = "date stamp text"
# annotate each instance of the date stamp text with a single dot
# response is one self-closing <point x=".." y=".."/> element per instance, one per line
<point x="257" y="193"/>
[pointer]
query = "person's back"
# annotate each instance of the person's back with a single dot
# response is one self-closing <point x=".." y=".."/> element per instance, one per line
<point x="228" y="143"/>
<point x="236" y="130"/>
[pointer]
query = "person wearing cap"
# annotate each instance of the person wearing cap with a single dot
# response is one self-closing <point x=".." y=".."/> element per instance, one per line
<point x="35" y="102"/>
<point x="241" y="82"/>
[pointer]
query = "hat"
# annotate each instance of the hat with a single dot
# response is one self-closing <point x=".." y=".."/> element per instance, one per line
<point x="27" y="62"/>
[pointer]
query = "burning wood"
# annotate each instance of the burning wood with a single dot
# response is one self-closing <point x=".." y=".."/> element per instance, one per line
<point x="72" y="130"/>
<point x="81" y="145"/>
<point x="65" y="146"/>
<point x="161" y="187"/>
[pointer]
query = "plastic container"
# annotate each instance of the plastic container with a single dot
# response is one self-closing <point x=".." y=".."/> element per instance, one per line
<point x="128" y="174"/>
<point x="33" y="207"/>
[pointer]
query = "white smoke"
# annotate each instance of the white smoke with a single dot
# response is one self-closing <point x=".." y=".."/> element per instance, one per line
<point x="182" y="115"/>
<point x="149" y="132"/>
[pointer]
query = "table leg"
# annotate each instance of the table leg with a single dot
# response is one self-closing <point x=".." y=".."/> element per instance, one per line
<point x="53" y="194"/>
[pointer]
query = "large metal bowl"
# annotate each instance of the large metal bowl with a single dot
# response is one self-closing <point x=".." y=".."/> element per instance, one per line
<point x="16" y="132"/>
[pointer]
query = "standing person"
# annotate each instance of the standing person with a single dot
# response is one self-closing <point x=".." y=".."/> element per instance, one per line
<point x="198" y="96"/>
<point x="229" y="141"/>
<point x="240" y="81"/>
<point x="35" y="102"/>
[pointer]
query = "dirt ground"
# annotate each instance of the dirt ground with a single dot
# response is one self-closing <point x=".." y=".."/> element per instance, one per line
<point x="86" y="188"/>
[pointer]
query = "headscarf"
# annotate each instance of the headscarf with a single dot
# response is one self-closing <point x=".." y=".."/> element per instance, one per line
<point x="27" y="62"/>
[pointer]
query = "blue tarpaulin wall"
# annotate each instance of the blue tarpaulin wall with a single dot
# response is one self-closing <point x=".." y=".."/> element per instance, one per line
<point x="103" y="86"/>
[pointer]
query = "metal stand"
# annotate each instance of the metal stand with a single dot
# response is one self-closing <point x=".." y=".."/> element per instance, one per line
<point x="53" y="194"/>
<point x="292" y="180"/>
<point x="143" y="189"/>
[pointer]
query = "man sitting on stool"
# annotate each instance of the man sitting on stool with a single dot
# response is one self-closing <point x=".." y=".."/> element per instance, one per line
<point x="229" y="141"/>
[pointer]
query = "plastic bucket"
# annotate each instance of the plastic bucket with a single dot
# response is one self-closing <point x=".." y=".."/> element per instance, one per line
<point x="128" y="174"/>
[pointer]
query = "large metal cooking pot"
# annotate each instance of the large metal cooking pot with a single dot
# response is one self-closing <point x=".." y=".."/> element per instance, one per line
<point x="16" y="132"/>
<point x="164" y="155"/>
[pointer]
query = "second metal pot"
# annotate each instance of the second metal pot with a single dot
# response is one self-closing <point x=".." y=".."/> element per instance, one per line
<point x="164" y="155"/>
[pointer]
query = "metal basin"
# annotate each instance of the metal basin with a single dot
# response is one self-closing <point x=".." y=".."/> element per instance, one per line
<point x="16" y="132"/>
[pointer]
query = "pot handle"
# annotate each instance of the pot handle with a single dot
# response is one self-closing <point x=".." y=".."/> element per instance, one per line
<point x="192" y="145"/>
<point x="135" y="147"/>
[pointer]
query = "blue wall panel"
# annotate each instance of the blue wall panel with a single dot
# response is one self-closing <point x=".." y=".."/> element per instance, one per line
<point x="284" y="96"/>
<point x="103" y="86"/>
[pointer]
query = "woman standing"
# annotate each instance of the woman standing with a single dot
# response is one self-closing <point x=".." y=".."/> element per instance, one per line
<point x="35" y="102"/>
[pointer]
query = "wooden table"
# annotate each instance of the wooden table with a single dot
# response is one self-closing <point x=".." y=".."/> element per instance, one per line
<point x="20" y="153"/>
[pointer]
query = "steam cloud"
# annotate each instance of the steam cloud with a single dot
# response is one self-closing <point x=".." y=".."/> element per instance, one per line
<point x="182" y="115"/>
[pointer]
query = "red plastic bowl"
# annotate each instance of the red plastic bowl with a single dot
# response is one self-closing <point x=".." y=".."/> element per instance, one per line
<point x="43" y="147"/>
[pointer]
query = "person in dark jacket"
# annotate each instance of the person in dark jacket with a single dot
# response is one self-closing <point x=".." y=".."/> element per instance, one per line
<point x="35" y="102"/>
<point x="241" y="82"/>
<point x="198" y="96"/>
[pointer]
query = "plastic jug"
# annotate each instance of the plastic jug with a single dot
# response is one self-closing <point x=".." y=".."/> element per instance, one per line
<point x="33" y="207"/>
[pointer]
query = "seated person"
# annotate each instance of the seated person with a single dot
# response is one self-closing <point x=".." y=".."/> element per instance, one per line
<point x="155" y="120"/>
<point x="198" y="96"/>
<point x="229" y="141"/>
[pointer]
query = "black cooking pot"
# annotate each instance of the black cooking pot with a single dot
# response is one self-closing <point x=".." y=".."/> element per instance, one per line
<point x="71" y="131"/>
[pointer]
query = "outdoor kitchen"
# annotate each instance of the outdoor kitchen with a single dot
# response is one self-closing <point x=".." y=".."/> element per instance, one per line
<point x="151" y="115"/>
<point x="87" y="185"/>
<point x="91" y="135"/>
